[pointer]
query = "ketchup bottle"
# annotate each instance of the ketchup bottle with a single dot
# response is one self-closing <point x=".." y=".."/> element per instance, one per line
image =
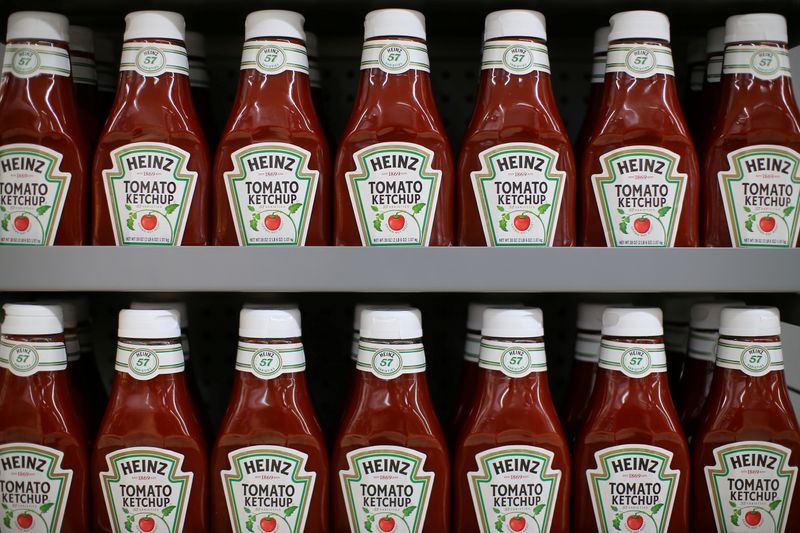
<point x="584" y="367"/>
<point x="469" y="368"/>
<point x="84" y="75"/>
<point x="270" y="442"/>
<point x="640" y="179"/>
<point x="631" y="462"/>
<point x="516" y="170"/>
<point x="149" y="463"/>
<point x="151" y="165"/>
<point x="752" y="165"/>
<point x="595" y="103"/>
<point x="199" y="81"/>
<point x="390" y="458"/>
<point x="710" y="99"/>
<point x="271" y="174"/>
<point x="511" y="470"/>
<point x="44" y="451"/>
<point x="43" y="152"/>
<point x="394" y="171"/>
<point x="699" y="368"/>
<point x="745" y="451"/>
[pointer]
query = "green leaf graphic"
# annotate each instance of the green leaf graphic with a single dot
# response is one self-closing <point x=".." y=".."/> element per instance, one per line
<point x="247" y="510"/>
<point x="623" y="227"/>
<point x="617" y="521"/>
<point x="538" y="509"/>
<point x="129" y="223"/>
<point x="4" y="224"/>
<point x="496" y="510"/>
<point x="46" y="507"/>
<point x="250" y="522"/>
<point x="417" y="208"/>
<point x="788" y="211"/>
<point x="774" y="505"/>
<point x="732" y="504"/>
<point x="656" y="508"/>
<point x="377" y="224"/>
<point x="746" y="209"/>
<point x="129" y="524"/>
<point x="125" y="510"/>
<point x="128" y="207"/>
<point x="294" y="207"/>
<point x="167" y="511"/>
<point x="748" y="224"/>
<point x="290" y="511"/>
<point x="663" y="211"/>
<point x="368" y="524"/>
<point x="171" y="208"/>
<point x="254" y="224"/>
<point x="7" y="520"/>
<point x="251" y="208"/>
<point x="614" y="508"/>
<point x="543" y="208"/>
<point x="501" y="209"/>
<point x="503" y="224"/>
<point x="374" y="208"/>
<point x="620" y="211"/>
<point x="408" y="510"/>
<point x="499" y="525"/>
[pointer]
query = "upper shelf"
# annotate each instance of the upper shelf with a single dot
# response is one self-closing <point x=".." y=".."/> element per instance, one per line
<point x="233" y="269"/>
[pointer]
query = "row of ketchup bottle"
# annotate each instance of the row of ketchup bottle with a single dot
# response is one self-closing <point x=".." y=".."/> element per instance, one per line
<point x="635" y="177"/>
<point x="631" y="468"/>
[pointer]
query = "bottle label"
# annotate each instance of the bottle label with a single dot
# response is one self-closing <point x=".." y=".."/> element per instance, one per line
<point x="640" y="196"/>
<point x="696" y="76"/>
<point x="84" y="70"/>
<point x="714" y="68"/>
<point x="751" y="486"/>
<point x="274" y="57"/>
<point x="395" y="56"/>
<point x="198" y="74"/>
<point x="394" y="191"/>
<point x="518" y="191"/>
<point x="268" y="489"/>
<point x="703" y="345"/>
<point x="514" y="489"/>
<point x="34" y="487"/>
<point x="754" y="359"/>
<point x="633" y="360"/>
<point x="514" y="359"/>
<point x="388" y="361"/>
<point x="33" y="191"/>
<point x="640" y="60"/>
<point x="29" y="60"/>
<point x="599" y="68"/>
<point x="147" y="361"/>
<point x="587" y="347"/>
<point x="268" y="361"/>
<point x="146" y="489"/>
<point x="633" y="488"/>
<point x="154" y="59"/>
<point x="386" y="488"/>
<point x="515" y="57"/>
<point x="761" y="193"/>
<point x="25" y="359"/>
<point x="472" y="346"/>
<point x="762" y="61"/>
<point x="271" y="193"/>
<point x="149" y="191"/>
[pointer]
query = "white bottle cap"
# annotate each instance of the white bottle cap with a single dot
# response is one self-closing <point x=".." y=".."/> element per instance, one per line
<point x="195" y="44"/>
<point x="513" y="323"/>
<point x="179" y="307"/>
<point x="601" y="40"/>
<point x="391" y="323"/>
<point x="515" y="23"/>
<point x="706" y="315"/>
<point x="30" y="319"/>
<point x="274" y="23"/>
<point x="149" y="324"/>
<point x="394" y="22"/>
<point x="69" y="312"/>
<point x="475" y="313"/>
<point x="750" y="321"/>
<point x="632" y="322"/>
<point x="275" y="322"/>
<point x="645" y="25"/>
<point x="312" y="44"/>
<point x="756" y="27"/>
<point x="36" y="25"/>
<point x="154" y="25"/>
<point x="590" y="315"/>
<point x="715" y="40"/>
<point x="81" y="39"/>
<point x="357" y="316"/>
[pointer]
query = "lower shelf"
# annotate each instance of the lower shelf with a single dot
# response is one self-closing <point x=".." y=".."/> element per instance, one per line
<point x="332" y="269"/>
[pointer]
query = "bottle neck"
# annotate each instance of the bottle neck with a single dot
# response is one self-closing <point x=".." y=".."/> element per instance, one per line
<point x="633" y="364"/>
<point x="640" y="70"/>
<point x="391" y="369"/>
<point x="271" y="371"/>
<point x="41" y="71"/>
<point x="154" y="70"/>
<point x="395" y="70"/>
<point x="149" y="363"/>
<point x="24" y="356"/>
<point x="756" y="72"/>
<point x="515" y="70"/>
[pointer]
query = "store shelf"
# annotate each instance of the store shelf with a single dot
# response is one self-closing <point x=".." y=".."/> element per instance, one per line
<point x="398" y="270"/>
